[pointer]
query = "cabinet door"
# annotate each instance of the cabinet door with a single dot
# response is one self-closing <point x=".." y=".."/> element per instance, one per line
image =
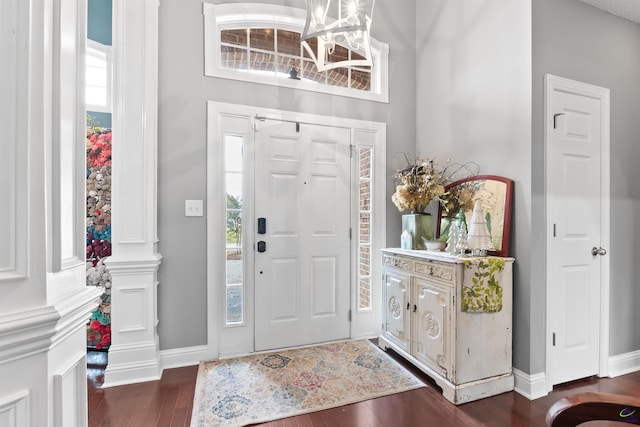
<point x="432" y="335"/>
<point x="396" y="312"/>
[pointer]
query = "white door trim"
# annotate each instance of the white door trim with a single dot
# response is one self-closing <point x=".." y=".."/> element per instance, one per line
<point x="228" y="341"/>
<point x="554" y="83"/>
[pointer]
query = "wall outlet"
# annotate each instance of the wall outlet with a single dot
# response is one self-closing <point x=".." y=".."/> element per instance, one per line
<point x="193" y="208"/>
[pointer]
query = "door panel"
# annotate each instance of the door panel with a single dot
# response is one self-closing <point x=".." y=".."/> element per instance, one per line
<point x="574" y="205"/>
<point x="431" y="325"/>
<point x="302" y="188"/>
<point x="397" y="308"/>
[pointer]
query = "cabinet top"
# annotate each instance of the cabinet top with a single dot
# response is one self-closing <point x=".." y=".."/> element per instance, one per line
<point x="438" y="255"/>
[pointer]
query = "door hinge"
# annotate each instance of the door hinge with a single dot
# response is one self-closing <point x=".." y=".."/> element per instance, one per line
<point x="554" y="230"/>
<point x="553" y="339"/>
<point x="555" y="119"/>
<point x="255" y="124"/>
<point x="350" y="233"/>
<point x="350" y="316"/>
<point x="351" y="150"/>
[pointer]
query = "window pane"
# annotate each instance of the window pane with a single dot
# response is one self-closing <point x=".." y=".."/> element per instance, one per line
<point x="234" y="304"/>
<point x="95" y="95"/>
<point x="310" y="72"/>
<point x="236" y="37"/>
<point x="365" y="261"/>
<point x="365" y="162"/>
<point x="96" y="76"/>
<point x="233" y="153"/>
<point x="286" y="62"/>
<point x="364" y="293"/>
<point x="289" y="42"/>
<point x="339" y="54"/>
<point x="360" y="80"/>
<point x="262" y="38"/>
<point x="356" y="56"/>
<point x="338" y="77"/>
<point x="234" y="190"/>
<point x="233" y="57"/>
<point x="313" y="44"/>
<point x="261" y="61"/>
<point x="365" y="228"/>
<point x="234" y="263"/>
<point x="365" y="195"/>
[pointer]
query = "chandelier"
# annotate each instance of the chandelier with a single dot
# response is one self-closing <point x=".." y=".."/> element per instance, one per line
<point x="338" y="22"/>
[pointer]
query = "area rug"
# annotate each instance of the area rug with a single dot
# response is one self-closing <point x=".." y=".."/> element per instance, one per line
<point x="270" y="386"/>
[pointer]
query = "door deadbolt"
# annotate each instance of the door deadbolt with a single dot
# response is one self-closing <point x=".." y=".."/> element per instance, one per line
<point x="598" y="251"/>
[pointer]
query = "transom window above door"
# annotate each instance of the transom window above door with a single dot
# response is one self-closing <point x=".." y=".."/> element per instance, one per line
<point x="260" y="43"/>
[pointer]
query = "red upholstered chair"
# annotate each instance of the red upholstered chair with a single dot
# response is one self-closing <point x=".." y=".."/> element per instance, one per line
<point x="580" y="408"/>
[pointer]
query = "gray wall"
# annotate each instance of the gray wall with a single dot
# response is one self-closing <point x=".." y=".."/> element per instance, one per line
<point x="474" y="104"/>
<point x="183" y="92"/>
<point x="576" y="41"/>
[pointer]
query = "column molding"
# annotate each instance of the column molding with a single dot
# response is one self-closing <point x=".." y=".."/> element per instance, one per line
<point x="134" y="354"/>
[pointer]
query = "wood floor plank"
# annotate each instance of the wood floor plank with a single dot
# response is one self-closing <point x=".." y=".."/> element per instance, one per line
<point x="169" y="402"/>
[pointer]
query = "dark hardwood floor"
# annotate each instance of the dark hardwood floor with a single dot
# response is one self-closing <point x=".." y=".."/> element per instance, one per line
<point x="169" y="402"/>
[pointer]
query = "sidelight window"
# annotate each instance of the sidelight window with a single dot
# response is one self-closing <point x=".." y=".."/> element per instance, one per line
<point x="234" y="304"/>
<point x="365" y="168"/>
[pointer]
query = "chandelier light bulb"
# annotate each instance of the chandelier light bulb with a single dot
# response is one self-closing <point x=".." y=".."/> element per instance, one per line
<point x="319" y="15"/>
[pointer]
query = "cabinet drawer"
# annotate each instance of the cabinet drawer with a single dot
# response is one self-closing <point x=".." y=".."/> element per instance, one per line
<point x="435" y="270"/>
<point x="398" y="262"/>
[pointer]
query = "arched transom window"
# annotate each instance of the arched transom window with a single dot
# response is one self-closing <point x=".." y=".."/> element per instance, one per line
<point x="261" y="43"/>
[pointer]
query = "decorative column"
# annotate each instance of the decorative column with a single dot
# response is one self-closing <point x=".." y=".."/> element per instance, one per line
<point x="134" y="352"/>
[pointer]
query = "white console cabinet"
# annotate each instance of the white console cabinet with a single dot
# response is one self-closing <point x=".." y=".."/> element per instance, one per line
<point x="451" y="317"/>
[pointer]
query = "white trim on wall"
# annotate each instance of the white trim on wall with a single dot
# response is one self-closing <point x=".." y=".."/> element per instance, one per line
<point x="530" y="386"/>
<point x="622" y="364"/>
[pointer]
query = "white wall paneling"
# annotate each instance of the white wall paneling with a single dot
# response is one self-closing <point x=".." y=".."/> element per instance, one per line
<point x="44" y="301"/>
<point x="69" y="394"/>
<point x="134" y="353"/>
<point x="14" y="410"/>
<point x="13" y="162"/>
<point x="26" y="333"/>
<point x="68" y="123"/>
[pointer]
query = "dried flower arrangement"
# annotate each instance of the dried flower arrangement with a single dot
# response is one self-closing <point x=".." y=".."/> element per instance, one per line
<point x="424" y="181"/>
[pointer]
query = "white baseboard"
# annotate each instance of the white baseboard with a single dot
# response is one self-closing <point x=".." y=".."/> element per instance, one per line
<point x="624" y="363"/>
<point x="535" y="386"/>
<point x="530" y="386"/>
<point x="187" y="356"/>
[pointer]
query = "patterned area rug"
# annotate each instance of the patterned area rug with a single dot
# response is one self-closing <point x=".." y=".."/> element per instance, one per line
<point x="270" y="386"/>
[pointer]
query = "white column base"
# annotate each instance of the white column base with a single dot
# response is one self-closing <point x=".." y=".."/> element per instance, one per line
<point x="134" y="355"/>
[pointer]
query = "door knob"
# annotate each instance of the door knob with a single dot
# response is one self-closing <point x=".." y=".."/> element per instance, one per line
<point x="598" y="251"/>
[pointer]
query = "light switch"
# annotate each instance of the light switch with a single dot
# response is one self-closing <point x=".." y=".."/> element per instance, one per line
<point x="193" y="208"/>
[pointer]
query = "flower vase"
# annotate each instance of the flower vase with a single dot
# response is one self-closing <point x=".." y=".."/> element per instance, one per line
<point x="419" y="226"/>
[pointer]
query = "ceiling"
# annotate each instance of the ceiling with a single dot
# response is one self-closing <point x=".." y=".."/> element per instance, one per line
<point x="628" y="9"/>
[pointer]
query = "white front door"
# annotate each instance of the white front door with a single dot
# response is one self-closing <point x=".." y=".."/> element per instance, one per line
<point x="302" y="260"/>
<point x="575" y="253"/>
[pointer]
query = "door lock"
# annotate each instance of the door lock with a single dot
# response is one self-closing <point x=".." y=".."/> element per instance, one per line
<point x="262" y="246"/>
<point x="598" y="251"/>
